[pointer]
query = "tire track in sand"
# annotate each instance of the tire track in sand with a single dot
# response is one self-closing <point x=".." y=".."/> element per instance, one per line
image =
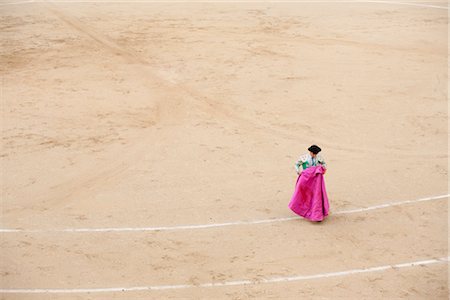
<point x="192" y="97"/>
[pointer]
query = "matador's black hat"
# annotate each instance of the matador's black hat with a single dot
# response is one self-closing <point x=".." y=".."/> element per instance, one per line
<point x="314" y="149"/>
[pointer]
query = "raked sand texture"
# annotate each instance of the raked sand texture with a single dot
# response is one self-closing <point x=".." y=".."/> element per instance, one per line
<point x="153" y="114"/>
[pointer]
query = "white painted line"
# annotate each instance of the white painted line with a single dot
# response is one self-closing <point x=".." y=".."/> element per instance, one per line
<point x="407" y="3"/>
<point x="228" y="283"/>
<point x="215" y="225"/>
<point x="231" y="2"/>
<point x="391" y="204"/>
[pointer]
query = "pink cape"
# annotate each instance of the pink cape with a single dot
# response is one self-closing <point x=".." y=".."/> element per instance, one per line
<point x="310" y="198"/>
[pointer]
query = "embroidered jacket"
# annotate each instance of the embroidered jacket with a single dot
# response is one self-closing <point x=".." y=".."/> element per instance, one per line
<point x="306" y="161"/>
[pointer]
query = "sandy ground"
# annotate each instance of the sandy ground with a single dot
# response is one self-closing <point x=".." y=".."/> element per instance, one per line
<point x="165" y="114"/>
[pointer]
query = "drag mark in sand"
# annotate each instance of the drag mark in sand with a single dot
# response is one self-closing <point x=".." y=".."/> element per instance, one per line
<point x="229" y="283"/>
<point x="215" y="225"/>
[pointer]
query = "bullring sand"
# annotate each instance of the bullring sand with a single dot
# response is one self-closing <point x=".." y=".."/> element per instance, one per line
<point x="148" y="114"/>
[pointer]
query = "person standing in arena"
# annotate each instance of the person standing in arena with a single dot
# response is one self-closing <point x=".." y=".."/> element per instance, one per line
<point x="310" y="198"/>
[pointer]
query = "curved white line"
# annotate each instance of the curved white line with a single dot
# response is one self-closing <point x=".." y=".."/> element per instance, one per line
<point x="229" y="283"/>
<point x="407" y="3"/>
<point x="214" y="225"/>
